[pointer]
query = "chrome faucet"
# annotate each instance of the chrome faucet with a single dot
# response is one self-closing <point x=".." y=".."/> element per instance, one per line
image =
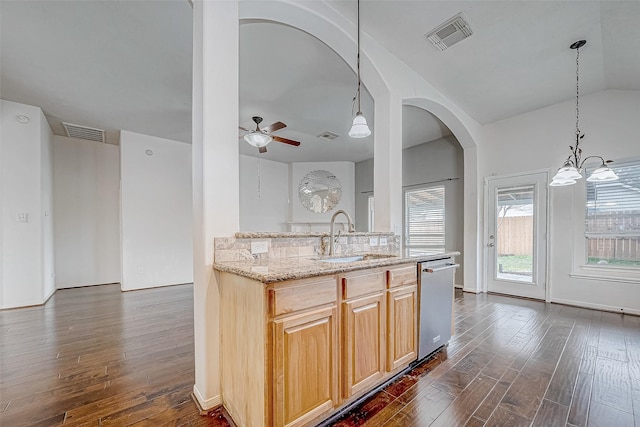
<point x="333" y="243"/>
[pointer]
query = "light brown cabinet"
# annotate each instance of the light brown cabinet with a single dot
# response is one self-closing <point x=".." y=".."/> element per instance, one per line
<point x="402" y="316"/>
<point x="401" y="326"/>
<point x="295" y="351"/>
<point x="363" y="331"/>
<point x="305" y="366"/>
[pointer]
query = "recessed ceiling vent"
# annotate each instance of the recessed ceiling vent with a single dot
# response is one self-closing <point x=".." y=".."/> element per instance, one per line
<point x="450" y="33"/>
<point x="328" y="136"/>
<point x="84" y="132"/>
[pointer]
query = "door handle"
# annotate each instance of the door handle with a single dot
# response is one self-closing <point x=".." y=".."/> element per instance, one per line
<point x="446" y="267"/>
<point x="491" y="244"/>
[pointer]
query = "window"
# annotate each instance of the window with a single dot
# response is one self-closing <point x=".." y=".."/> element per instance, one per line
<point x="612" y="227"/>
<point x="424" y="220"/>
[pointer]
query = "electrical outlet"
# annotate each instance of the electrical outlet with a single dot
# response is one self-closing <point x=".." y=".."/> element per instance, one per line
<point x="383" y="241"/>
<point x="260" y="247"/>
<point x="373" y="241"/>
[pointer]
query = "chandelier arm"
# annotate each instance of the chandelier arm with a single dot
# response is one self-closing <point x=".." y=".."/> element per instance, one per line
<point x="604" y="162"/>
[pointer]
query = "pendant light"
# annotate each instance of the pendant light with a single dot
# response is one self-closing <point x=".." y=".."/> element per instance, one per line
<point x="359" y="128"/>
<point x="571" y="170"/>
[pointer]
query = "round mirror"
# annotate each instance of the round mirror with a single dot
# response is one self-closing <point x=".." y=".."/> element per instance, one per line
<point x="319" y="191"/>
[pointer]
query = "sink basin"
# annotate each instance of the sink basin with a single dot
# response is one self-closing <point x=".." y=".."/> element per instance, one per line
<point x="344" y="259"/>
<point x="355" y="258"/>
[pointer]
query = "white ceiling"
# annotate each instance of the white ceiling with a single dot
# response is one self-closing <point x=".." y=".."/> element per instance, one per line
<point x="518" y="58"/>
<point x="127" y="65"/>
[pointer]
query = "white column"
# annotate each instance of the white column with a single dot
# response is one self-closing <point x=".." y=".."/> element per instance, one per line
<point x="387" y="164"/>
<point x="473" y="227"/>
<point x="215" y="176"/>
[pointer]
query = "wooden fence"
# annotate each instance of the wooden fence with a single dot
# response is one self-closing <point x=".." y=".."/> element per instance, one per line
<point x="626" y="249"/>
<point x="515" y="235"/>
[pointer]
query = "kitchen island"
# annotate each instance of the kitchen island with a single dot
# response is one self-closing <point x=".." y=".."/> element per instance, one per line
<point x="304" y="336"/>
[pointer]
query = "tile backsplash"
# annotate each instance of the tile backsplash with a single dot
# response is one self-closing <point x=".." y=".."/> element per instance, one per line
<point x="290" y="245"/>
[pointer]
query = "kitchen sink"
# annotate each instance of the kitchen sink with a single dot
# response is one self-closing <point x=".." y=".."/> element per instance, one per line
<point x="355" y="258"/>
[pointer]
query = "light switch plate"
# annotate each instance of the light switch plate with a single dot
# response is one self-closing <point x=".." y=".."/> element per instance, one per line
<point x="383" y="241"/>
<point x="259" y="247"/>
<point x="373" y="241"/>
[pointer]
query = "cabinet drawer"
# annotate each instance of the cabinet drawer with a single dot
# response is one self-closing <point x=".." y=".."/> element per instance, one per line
<point x="362" y="283"/>
<point x="296" y="296"/>
<point x="403" y="276"/>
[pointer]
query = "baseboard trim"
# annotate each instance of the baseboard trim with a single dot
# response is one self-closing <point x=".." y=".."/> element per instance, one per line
<point x="471" y="290"/>
<point x="205" y="405"/>
<point x="592" y="306"/>
<point x="48" y="297"/>
<point x="154" y="287"/>
<point x="86" y="286"/>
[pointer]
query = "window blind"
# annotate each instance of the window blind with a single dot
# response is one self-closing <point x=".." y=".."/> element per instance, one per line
<point x="612" y="223"/>
<point x="424" y="219"/>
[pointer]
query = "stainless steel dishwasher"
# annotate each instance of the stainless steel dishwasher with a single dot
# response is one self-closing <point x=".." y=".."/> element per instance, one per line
<point x="435" y="299"/>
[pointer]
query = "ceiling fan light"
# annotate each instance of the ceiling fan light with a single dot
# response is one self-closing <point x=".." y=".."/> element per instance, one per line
<point x="359" y="128"/>
<point x="557" y="182"/>
<point x="603" y="174"/>
<point x="567" y="173"/>
<point x="258" y="139"/>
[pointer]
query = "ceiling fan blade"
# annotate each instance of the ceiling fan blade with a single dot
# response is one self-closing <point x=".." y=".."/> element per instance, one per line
<point x="274" y="127"/>
<point x="244" y="129"/>
<point x="262" y="149"/>
<point x="285" y="140"/>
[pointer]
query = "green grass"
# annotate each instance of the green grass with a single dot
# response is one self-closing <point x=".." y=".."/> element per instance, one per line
<point x="523" y="263"/>
<point x="618" y="262"/>
<point x="516" y="263"/>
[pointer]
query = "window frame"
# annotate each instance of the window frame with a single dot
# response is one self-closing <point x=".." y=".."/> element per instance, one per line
<point x="589" y="234"/>
<point x="423" y="248"/>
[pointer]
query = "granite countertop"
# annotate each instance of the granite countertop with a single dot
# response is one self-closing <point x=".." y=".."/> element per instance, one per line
<point x="277" y="270"/>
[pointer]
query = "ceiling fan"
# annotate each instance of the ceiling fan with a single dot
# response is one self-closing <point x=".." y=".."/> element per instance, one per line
<point x="261" y="137"/>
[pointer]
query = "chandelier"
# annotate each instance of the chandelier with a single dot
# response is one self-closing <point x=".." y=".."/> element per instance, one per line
<point x="572" y="168"/>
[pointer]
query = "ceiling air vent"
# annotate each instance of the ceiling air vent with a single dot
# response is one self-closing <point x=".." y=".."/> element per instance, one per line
<point x="450" y="33"/>
<point x="328" y="136"/>
<point x="84" y="132"/>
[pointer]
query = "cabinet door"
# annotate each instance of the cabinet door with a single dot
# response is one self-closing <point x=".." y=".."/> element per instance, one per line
<point x="402" y="322"/>
<point x="363" y="343"/>
<point x="305" y="366"/>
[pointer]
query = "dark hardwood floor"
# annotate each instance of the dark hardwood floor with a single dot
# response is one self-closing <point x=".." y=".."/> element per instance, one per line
<point x="96" y="356"/>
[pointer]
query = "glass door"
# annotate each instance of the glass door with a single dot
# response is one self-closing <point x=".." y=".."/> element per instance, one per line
<point x="516" y="235"/>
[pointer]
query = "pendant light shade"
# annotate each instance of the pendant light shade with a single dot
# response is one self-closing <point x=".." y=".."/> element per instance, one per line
<point x="359" y="127"/>
<point x="558" y="182"/>
<point x="568" y="172"/>
<point x="602" y="174"/>
<point x="258" y="139"/>
<point x="571" y="171"/>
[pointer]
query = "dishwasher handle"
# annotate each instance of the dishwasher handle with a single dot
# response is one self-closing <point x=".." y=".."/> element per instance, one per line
<point x="446" y="267"/>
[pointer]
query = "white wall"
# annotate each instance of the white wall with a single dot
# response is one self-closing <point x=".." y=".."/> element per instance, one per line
<point x="540" y="140"/>
<point x="301" y="216"/>
<point x="87" y="212"/>
<point x="425" y="163"/>
<point x="264" y="195"/>
<point x="156" y="212"/>
<point x="27" y="255"/>
<point x="47" y="199"/>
